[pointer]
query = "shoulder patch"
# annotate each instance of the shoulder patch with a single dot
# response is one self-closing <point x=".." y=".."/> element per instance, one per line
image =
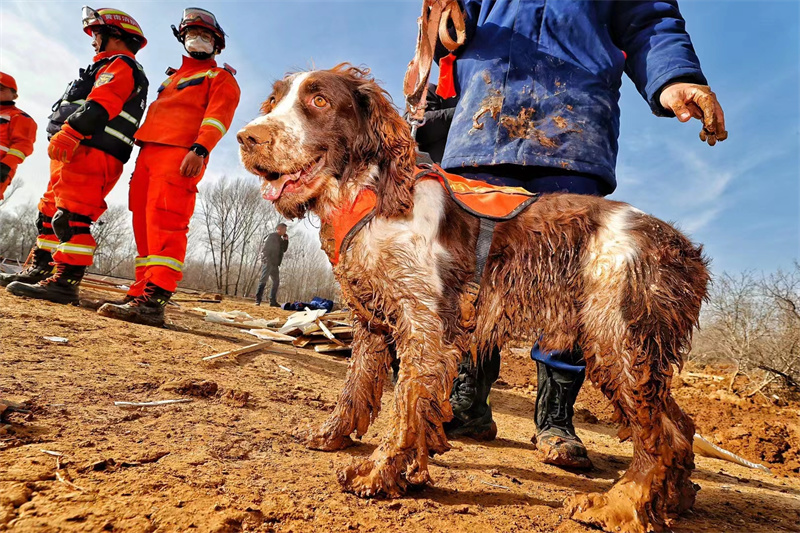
<point x="229" y="68"/>
<point x="103" y="78"/>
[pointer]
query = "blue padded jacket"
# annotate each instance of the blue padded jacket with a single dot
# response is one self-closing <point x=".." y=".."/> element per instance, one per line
<point x="538" y="80"/>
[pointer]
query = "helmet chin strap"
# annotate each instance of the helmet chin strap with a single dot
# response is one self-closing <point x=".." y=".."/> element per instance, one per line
<point x="200" y="55"/>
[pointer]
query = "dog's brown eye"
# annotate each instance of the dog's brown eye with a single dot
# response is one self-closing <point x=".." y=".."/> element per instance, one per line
<point x="271" y="99"/>
<point x="319" y="101"/>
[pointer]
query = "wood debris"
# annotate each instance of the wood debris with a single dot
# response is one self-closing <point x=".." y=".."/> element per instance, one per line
<point x="310" y="329"/>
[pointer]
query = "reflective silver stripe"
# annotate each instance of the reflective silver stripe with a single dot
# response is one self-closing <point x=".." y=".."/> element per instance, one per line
<point x="78" y="249"/>
<point x="140" y="262"/>
<point x="129" y="118"/>
<point x="67" y="102"/>
<point x="216" y="123"/>
<point x="7" y="117"/>
<point x="44" y="244"/>
<point x="14" y="151"/>
<point x="159" y="260"/>
<point x="3" y="148"/>
<point x="118" y="135"/>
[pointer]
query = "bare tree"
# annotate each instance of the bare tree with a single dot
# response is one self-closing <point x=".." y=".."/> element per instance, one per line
<point x="116" y="246"/>
<point x="14" y="187"/>
<point x="754" y="323"/>
<point x="232" y="216"/>
<point x="18" y="231"/>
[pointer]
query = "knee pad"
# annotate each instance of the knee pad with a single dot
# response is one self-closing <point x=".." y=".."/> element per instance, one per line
<point x="63" y="228"/>
<point x="41" y="220"/>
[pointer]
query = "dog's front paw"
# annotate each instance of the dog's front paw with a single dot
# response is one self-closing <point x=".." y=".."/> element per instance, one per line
<point x="382" y="477"/>
<point x="319" y="439"/>
<point x="615" y="510"/>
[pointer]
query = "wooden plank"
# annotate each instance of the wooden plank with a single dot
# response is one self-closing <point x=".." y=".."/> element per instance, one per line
<point x="301" y="341"/>
<point x="239" y="351"/>
<point x="328" y="334"/>
<point x="271" y="335"/>
<point x="330" y="347"/>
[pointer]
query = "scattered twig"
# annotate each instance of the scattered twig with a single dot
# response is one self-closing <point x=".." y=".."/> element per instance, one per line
<point x="495" y="485"/>
<point x="54" y="454"/>
<point x="289" y="370"/>
<point x="239" y="351"/>
<point x="62" y="479"/>
<point x="150" y="404"/>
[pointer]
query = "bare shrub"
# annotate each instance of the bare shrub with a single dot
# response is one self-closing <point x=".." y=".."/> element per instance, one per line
<point x="18" y="231"/>
<point x="754" y="323"/>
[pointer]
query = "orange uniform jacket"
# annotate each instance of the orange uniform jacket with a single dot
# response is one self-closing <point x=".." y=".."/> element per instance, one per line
<point x="17" y="134"/>
<point x="195" y="105"/>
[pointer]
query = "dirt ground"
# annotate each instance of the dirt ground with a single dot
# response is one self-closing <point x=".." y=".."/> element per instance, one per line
<point x="226" y="461"/>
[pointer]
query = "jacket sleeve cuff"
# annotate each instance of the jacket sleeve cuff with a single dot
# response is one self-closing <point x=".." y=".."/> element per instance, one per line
<point x="654" y="88"/>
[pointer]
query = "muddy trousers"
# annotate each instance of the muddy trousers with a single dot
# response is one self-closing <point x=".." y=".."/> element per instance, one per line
<point x="474" y="382"/>
<point x="75" y="197"/>
<point x="162" y="202"/>
<point x="269" y="270"/>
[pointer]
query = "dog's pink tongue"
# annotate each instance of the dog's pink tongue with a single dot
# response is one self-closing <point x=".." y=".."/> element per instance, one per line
<point x="272" y="190"/>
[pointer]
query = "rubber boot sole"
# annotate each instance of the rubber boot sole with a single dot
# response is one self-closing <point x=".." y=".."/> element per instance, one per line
<point x="556" y="452"/>
<point x="480" y="433"/>
<point x="120" y="312"/>
<point x="40" y="293"/>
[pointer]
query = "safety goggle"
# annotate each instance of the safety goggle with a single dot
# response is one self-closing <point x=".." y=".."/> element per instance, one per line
<point x="195" y="14"/>
<point x="91" y="17"/>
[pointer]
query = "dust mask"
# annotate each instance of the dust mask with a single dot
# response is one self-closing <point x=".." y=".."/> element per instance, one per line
<point x="198" y="44"/>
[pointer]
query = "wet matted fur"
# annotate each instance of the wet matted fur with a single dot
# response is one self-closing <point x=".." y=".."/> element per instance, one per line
<point x="585" y="272"/>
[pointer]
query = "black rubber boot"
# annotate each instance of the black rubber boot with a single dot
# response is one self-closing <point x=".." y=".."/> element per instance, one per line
<point x="472" y="413"/>
<point x="38" y="269"/>
<point x="555" y="434"/>
<point x="61" y="287"/>
<point x="147" y="309"/>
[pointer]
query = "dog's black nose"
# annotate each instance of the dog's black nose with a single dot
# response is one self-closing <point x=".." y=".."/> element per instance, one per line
<point x="247" y="139"/>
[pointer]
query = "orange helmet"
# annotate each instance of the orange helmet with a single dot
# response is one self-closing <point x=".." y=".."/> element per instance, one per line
<point x="7" y="81"/>
<point x="200" y="18"/>
<point x="112" y="19"/>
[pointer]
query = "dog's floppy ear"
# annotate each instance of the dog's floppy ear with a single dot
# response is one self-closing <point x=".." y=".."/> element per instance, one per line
<point x="388" y="139"/>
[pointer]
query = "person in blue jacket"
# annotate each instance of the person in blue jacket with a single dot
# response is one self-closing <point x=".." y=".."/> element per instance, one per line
<point x="538" y="84"/>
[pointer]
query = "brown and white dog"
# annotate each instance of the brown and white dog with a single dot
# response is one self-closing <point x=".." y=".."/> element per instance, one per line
<point x="624" y="287"/>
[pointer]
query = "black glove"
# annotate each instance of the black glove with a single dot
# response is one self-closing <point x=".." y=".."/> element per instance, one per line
<point x="5" y="172"/>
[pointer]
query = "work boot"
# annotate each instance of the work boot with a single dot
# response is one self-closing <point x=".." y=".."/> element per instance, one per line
<point x="555" y="435"/>
<point x="96" y="303"/>
<point x="472" y="413"/>
<point x="38" y="268"/>
<point x="273" y="303"/>
<point x="147" y="309"/>
<point x="61" y="287"/>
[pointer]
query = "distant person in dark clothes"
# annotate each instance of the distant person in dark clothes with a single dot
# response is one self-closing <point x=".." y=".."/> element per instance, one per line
<point x="432" y="136"/>
<point x="272" y="250"/>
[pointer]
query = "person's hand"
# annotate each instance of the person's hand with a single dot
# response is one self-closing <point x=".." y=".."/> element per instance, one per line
<point x="192" y="165"/>
<point x="689" y="100"/>
<point x="285" y="237"/>
<point x="64" y="143"/>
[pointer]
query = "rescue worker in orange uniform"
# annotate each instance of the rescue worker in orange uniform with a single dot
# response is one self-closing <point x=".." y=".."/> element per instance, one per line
<point x="91" y="135"/>
<point x="17" y="132"/>
<point x="193" y="110"/>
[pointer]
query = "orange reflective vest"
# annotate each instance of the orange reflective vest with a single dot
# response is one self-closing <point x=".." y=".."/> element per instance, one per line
<point x="195" y="105"/>
<point x="17" y="134"/>
<point x="480" y="199"/>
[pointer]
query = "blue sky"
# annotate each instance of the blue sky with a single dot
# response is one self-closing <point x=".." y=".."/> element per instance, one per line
<point x="741" y="198"/>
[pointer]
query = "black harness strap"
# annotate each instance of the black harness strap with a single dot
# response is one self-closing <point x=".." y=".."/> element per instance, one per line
<point x="485" y="236"/>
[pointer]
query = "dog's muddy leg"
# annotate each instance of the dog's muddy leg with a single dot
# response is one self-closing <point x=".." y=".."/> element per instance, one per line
<point x="427" y="368"/>
<point x="656" y="486"/>
<point x="360" y="401"/>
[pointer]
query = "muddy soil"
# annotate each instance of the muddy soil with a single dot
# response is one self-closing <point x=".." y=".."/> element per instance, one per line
<point x="226" y="462"/>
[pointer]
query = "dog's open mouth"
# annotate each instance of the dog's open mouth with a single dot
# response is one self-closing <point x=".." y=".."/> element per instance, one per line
<point x="276" y="184"/>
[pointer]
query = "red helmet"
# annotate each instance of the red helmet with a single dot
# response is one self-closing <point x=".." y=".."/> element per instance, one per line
<point x="114" y="19"/>
<point x="7" y="81"/>
<point x="200" y="18"/>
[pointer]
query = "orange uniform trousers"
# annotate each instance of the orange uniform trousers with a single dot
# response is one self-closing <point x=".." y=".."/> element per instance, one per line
<point x="162" y="202"/>
<point x="80" y="187"/>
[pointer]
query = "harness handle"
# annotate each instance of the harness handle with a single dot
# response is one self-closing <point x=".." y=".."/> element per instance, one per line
<point x="433" y="28"/>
